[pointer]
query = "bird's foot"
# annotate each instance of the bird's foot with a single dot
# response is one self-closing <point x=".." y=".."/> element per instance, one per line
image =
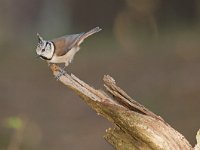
<point x="61" y="73"/>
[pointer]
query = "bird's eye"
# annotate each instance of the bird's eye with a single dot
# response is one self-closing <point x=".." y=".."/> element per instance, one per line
<point x="43" y="50"/>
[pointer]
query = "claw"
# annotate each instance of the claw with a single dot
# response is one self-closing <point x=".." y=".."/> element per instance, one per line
<point x="61" y="73"/>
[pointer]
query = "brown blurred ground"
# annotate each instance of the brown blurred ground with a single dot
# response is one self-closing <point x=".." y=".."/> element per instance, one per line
<point x="151" y="48"/>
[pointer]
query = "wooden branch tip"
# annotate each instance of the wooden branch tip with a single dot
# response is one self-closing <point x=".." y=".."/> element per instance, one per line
<point x="54" y="67"/>
<point x="108" y="79"/>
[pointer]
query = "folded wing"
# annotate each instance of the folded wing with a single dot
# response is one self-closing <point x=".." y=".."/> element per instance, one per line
<point x="66" y="43"/>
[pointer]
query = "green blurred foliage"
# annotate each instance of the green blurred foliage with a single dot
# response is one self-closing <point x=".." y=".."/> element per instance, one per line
<point x="14" y="122"/>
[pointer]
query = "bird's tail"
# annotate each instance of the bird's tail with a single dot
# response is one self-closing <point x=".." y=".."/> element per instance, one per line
<point x="87" y="34"/>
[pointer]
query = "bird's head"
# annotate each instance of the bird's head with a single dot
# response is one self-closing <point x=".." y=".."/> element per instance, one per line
<point x="45" y="49"/>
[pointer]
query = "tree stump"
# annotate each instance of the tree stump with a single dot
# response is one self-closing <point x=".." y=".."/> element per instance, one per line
<point x="135" y="127"/>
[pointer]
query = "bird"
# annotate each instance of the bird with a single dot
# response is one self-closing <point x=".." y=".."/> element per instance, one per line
<point x="62" y="49"/>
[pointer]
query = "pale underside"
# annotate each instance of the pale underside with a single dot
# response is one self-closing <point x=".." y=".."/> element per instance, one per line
<point x="67" y="58"/>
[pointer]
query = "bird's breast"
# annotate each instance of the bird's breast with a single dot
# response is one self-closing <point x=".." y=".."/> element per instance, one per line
<point x="67" y="58"/>
<point x="58" y="59"/>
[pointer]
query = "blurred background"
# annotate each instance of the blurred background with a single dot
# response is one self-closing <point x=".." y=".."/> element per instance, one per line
<point x="151" y="48"/>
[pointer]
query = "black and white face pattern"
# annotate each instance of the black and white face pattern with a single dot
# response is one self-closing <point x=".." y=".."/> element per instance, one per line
<point x="45" y="49"/>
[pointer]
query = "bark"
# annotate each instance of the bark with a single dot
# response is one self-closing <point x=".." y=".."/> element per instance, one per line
<point x="135" y="127"/>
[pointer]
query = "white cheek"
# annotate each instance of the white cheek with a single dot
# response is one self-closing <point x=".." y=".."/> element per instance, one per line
<point x="49" y="52"/>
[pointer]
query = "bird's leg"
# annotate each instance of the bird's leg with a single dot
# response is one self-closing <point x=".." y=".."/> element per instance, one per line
<point x="62" y="72"/>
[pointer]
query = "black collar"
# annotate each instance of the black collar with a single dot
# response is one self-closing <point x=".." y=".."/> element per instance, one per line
<point x="45" y="58"/>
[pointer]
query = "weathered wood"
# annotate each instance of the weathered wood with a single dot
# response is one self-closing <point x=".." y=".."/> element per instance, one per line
<point x="136" y="127"/>
<point x="197" y="146"/>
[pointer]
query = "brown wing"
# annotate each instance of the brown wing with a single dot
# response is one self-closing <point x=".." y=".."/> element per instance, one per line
<point x="66" y="43"/>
